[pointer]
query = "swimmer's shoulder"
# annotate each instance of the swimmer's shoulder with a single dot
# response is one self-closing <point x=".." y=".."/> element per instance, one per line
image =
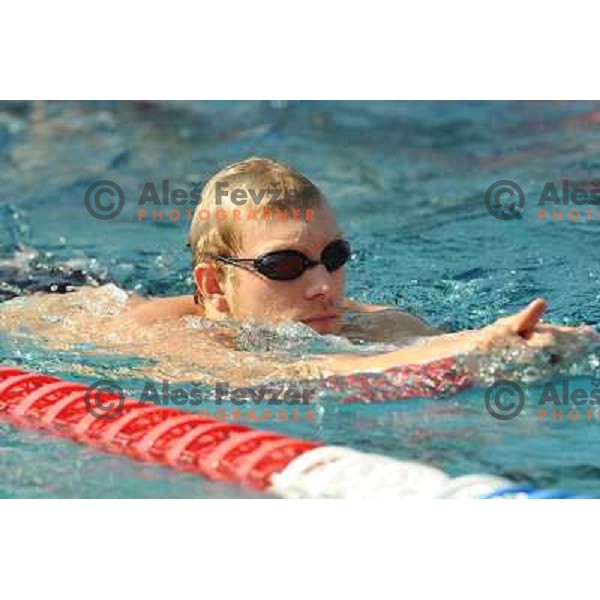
<point x="145" y="311"/>
<point x="388" y="320"/>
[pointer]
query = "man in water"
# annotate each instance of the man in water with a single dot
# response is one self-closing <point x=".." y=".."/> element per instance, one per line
<point x="266" y="245"/>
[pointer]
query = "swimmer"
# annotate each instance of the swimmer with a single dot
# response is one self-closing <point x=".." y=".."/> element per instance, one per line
<point x="278" y="269"/>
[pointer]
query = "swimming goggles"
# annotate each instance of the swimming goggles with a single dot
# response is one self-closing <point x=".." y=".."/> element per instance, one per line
<point x="286" y="265"/>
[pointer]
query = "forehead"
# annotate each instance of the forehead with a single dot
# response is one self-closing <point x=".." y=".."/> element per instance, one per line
<point x="272" y="234"/>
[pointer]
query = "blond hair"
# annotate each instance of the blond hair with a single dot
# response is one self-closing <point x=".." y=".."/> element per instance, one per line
<point x="222" y="236"/>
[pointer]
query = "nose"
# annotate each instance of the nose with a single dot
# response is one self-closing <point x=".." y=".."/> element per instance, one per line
<point x="319" y="282"/>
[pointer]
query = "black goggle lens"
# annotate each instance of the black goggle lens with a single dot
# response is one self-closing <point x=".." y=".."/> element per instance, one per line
<point x="336" y="255"/>
<point x="290" y="264"/>
<point x="282" y="266"/>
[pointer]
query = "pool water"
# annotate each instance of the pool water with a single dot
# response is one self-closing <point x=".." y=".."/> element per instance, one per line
<point x="407" y="180"/>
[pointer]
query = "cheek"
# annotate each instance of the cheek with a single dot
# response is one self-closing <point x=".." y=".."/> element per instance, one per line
<point x="253" y="296"/>
<point x="245" y="287"/>
<point x="338" y="282"/>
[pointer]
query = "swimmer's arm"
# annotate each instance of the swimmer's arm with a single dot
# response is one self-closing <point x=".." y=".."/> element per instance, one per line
<point x="519" y="331"/>
<point x="144" y="311"/>
<point x="519" y="326"/>
<point x="423" y="352"/>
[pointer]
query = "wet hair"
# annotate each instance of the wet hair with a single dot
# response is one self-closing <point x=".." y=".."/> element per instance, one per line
<point x="279" y="186"/>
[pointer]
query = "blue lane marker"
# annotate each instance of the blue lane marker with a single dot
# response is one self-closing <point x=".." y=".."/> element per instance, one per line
<point x="531" y="492"/>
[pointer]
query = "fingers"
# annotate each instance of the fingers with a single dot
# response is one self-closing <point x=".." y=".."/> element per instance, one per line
<point x="591" y="332"/>
<point x="528" y="318"/>
<point x="583" y="331"/>
<point x="541" y="340"/>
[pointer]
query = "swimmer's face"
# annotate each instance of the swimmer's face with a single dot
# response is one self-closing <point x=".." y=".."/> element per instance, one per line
<point x="315" y="298"/>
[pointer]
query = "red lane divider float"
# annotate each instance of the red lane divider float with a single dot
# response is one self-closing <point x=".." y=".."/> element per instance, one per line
<point x="185" y="441"/>
<point x="215" y="449"/>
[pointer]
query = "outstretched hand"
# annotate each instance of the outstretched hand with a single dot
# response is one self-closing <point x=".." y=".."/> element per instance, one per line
<point x="524" y="330"/>
<point x="517" y="327"/>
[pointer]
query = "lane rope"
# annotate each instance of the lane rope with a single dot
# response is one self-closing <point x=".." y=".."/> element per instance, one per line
<point x="223" y="451"/>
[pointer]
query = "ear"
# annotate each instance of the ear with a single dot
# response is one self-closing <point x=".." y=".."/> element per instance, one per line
<point x="209" y="285"/>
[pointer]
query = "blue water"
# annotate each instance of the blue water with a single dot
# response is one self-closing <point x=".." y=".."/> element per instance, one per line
<point x="407" y="180"/>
